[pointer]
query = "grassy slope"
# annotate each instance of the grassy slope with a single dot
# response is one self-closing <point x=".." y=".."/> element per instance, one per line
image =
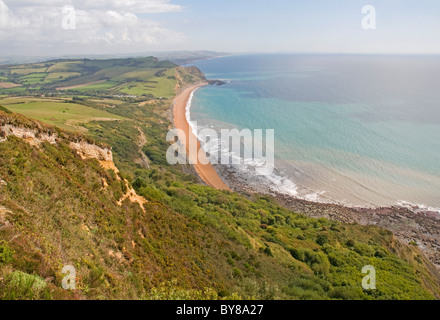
<point x="190" y="238"/>
<point x="59" y="113"/>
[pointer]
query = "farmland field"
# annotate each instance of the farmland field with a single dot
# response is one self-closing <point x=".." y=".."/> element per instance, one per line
<point x="98" y="86"/>
<point x="26" y="71"/>
<point x="67" y="116"/>
<point x="61" y="75"/>
<point x="158" y="86"/>
<point x="139" y="77"/>
<point x="8" y="85"/>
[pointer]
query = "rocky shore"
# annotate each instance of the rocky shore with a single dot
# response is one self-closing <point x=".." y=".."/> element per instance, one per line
<point x="415" y="227"/>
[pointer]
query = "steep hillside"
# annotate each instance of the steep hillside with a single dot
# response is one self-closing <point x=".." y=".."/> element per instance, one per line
<point x="64" y="202"/>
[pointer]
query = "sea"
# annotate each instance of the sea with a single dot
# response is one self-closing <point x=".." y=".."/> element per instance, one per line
<point x="359" y="130"/>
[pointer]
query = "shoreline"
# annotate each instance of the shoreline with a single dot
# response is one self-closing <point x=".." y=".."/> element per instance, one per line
<point x="205" y="171"/>
<point x="408" y="225"/>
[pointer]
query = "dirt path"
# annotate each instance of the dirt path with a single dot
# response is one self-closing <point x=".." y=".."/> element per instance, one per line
<point x="142" y="141"/>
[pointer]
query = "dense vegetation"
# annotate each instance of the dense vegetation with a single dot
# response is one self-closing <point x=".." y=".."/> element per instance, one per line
<point x="191" y="242"/>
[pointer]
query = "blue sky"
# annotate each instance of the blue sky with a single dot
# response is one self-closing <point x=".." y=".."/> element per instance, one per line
<point x="119" y="26"/>
<point x="310" y="26"/>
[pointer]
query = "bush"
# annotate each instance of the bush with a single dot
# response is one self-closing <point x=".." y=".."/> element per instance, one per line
<point x="381" y="253"/>
<point x="267" y="251"/>
<point x="172" y="291"/>
<point x="351" y="243"/>
<point x="19" y="286"/>
<point x="5" y="252"/>
<point x="346" y="293"/>
<point x="364" y="250"/>
<point x="322" y="239"/>
<point x="317" y="261"/>
<point x="298" y="254"/>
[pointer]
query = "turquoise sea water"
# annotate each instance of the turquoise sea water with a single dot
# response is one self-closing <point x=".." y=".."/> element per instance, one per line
<point x="361" y="130"/>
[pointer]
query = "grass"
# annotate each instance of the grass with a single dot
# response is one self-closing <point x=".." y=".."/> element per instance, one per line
<point x="114" y="72"/>
<point x="27" y="71"/>
<point x="58" y="76"/>
<point x="97" y="86"/>
<point x="157" y="86"/>
<point x="64" y="115"/>
<point x="15" y="90"/>
<point x="7" y="100"/>
<point x="33" y="78"/>
<point x="140" y="74"/>
<point x="108" y="102"/>
<point x="66" y="66"/>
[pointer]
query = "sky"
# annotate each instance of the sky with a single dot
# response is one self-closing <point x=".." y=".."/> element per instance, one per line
<point x="72" y="27"/>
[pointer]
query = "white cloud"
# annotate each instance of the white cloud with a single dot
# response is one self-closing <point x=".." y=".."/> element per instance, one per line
<point x="8" y="20"/>
<point x="136" y="6"/>
<point x="30" y="23"/>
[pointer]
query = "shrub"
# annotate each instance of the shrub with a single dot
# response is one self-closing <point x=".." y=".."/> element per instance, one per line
<point x="322" y="239"/>
<point x="236" y="273"/>
<point x="364" y="250"/>
<point x="298" y="254"/>
<point x="267" y="251"/>
<point x="5" y="252"/>
<point x="172" y="291"/>
<point x="317" y="261"/>
<point x="19" y="286"/>
<point x="346" y="293"/>
<point x="351" y="243"/>
<point x="381" y="253"/>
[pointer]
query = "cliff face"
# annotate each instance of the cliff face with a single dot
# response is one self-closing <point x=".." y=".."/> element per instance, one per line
<point x="188" y="76"/>
<point x="91" y="151"/>
<point x="36" y="136"/>
<point x="31" y="136"/>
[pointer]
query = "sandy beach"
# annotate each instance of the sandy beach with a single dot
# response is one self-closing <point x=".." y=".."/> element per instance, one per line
<point x="205" y="171"/>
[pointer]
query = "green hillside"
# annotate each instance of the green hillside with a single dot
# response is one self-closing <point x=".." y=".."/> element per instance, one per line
<point x="135" y="77"/>
<point x="189" y="241"/>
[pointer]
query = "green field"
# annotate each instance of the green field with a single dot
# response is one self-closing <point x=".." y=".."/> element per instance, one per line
<point x="33" y="78"/>
<point x="66" y="66"/>
<point x="61" y="75"/>
<point x="12" y="90"/>
<point x="162" y="86"/>
<point x="64" y="115"/>
<point x="26" y="71"/>
<point x="97" y="86"/>
<point x="141" y="74"/>
<point x="109" y="102"/>
<point x="137" y="76"/>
